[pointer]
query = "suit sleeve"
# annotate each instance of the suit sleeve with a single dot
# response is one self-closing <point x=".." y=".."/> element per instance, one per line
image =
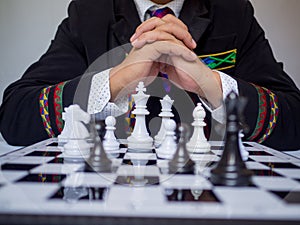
<point x="273" y="106"/>
<point x="32" y="106"/>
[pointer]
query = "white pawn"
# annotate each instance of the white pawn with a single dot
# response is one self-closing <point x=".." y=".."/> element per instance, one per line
<point x="166" y="114"/>
<point x="140" y="140"/>
<point x="244" y="152"/>
<point x="168" y="147"/>
<point x="110" y="142"/>
<point x="198" y="142"/>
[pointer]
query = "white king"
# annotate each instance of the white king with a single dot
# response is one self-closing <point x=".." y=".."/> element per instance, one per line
<point x="140" y="139"/>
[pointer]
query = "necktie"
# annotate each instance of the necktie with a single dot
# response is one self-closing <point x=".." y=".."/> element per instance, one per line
<point x="130" y="118"/>
<point x="160" y="13"/>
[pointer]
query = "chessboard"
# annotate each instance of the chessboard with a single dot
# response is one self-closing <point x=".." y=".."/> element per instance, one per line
<point x="40" y="184"/>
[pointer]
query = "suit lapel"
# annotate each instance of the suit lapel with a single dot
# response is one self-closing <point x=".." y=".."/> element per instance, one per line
<point x="126" y="20"/>
<point x="197" y="20"/>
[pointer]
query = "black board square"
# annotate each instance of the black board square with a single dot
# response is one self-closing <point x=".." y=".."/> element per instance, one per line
<point x="247" y="145"/>
<point x="53" y="144"/>
<point x="185" y="173"/>
<point x="262" y="153"/>
<point x="87" y="168"/>
<point x="132" y="181"/>
<point x="280" y="165"/>
<point x="121" y="156"/>
<point x="57" y="161"/>
<point x="44" y="153"/>
<point x="43" y="178"/>
<point x="67" y="160"/>
<point x="250" y="160"/>
<point x="14" y="166"/>
<point x="216" y="147"/>
<point x="292" y="197"/>
<point x="186" y="195"/>
<point x="123" y="146"/>
<point x="142" y="162"/>
<point x="266" y="173"/>
<point x="73" y="194"/>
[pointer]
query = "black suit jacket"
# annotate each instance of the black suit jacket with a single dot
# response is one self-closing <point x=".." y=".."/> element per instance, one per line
<point x="220" y="28"/>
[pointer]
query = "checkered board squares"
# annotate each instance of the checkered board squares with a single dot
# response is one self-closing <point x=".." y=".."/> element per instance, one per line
<point x="74" y="194"/>
<point x="191" y="195"/>
<point x="140" y="182"/>
<point x="43" y="178"/>
<point x="11" y="176"/>
<point x="290" y="197"/>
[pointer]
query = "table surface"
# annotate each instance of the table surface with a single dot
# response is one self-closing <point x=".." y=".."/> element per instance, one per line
<point x="40" y="184"/>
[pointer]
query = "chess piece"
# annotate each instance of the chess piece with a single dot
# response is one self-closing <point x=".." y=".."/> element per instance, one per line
<point x="73" y="194"/>
<point x="140" y="139"/>
<point x="73" y="117"/>
<point x="168" y="147"/>
<point x="198" y="142"/>
<point x="181" y="163"/>
<point x="231" y="169"/>
<point x="75" y="132"/>
<point x="244" y="152"/>
<point x="110" y="143"/>
<point x="196" y="193"/>
<point x="67" y="130"/>
<point x="166" y="114"/>
<point x="98" y="160"/>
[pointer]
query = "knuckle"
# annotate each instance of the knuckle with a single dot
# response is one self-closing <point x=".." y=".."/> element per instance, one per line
<point x="171" y="26"/>
<point x="168" y="16"/>
<point x="138" y="29"/>
<point x="155" y="20"/>
<point x="160" y="34"/>
<point x="184" y="27"/>
<point x="143" y="36"/>
<point x="186" y="36"/>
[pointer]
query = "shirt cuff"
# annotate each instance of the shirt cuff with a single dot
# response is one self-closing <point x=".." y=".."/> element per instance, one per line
<point x="99" y="97"/>
<point x="228" y="84"/>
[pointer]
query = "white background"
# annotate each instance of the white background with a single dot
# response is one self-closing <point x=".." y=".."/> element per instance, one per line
<point x="27" y="27"/>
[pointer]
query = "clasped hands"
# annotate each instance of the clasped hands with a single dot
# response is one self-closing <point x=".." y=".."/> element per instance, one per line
<point x="165" y="45"/>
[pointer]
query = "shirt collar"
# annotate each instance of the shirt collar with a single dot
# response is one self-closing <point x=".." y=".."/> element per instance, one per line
<point x="143" y="5"/>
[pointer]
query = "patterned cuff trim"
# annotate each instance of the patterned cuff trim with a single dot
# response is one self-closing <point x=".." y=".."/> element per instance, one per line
<point x="262" y="113"/>
<point x="58" y="106"/>
<point x="273" y="115"/>
<point x="44" y="111"/>
<point x="130" y="118"/>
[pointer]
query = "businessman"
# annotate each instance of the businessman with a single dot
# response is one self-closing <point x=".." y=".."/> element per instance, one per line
<point x="206" y="47"/>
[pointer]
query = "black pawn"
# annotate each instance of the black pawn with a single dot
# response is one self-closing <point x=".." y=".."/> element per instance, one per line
<point x="231" y="169"/>
<point x="181" y="162"/>
<point x="98" y="160"/>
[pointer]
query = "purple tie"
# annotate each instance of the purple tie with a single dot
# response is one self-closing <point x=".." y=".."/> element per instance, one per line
<point x="160" y="13"/>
